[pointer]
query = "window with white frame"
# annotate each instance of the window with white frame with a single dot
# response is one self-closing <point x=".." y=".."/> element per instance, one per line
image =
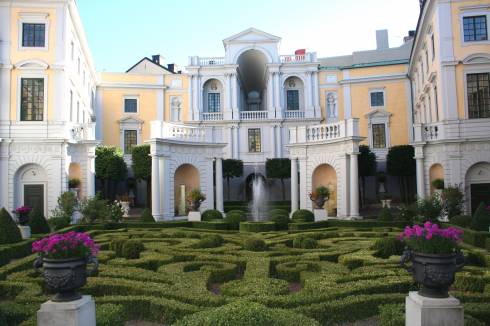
<point x="377" y="98"/>
<point x="379" y="135"/>
<point x="478" y="92"/>
<point x="254" y="140"/>
<point x="33" y="35"/>
<point x="130" y="140"/>
<point x="214" y="101"/>
<point x="475" y="28"/>
<point x="32" y="99"/>
<point x="130" y="105"/>
<point x="292" y="99"/>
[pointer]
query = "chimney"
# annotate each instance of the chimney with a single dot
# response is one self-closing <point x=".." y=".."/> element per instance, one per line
<point x="158" y="59"/>
<point x="172" y="67"/>
<point x="411" y="36"/>
<point x="382" y="39"/>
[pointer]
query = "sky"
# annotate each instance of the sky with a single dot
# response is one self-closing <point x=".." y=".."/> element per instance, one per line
<point x="121" y="32"/>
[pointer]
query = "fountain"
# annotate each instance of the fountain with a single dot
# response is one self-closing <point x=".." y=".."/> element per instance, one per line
<point x="258" y="200"/>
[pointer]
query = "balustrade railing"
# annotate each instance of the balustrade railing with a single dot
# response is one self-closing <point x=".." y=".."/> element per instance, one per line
<point x="83" y="131"/>
<point x="164" y="130"/>
<point x="211" y="61"/>
<point x="294" y="114"/>
<point x="211" y="116"/>
<point x="253" y="115"/>
<point x="324" y="132"/>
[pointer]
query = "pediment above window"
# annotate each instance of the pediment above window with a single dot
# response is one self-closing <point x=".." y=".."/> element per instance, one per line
<point x="477" y="58"/>
<point x="31" y="65"/>
<point x="378" y="113"/>
<point x="130" y="120"/>
<point x="251" y="35"/>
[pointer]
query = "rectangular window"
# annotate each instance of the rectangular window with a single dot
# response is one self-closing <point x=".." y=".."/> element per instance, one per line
<point x="379" y="135"/>
<point x="32" y="99"/>
<point x="130" y="141"/>
<point x="130" y="105"/>
<point x="292" y="100"/>
<point x="478" y="95"/>
<point x="377" y="99"/>
<point x="475" y="28"/>
<point x="214" y="101"/>
<point x="254" y="141"/>
<point x="33" y="35"/>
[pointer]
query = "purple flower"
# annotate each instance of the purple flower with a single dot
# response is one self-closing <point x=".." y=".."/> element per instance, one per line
<point x="69" y="245"/>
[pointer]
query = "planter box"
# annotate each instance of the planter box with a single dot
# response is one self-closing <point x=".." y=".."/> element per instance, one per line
<point x="320" y="215"/>
<point x="194" y="216"/>
<point x="25" y="231"/>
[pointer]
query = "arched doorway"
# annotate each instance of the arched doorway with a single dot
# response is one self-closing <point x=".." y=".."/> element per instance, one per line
<point x="325" y="175"/>
<point x="249" y="193"/>
<point x="253" y="80"/>
<point x="436" y="171"/>
<point x="30" y="188"/>
<point x="477" y="185"/>
<point x="186" y="178"/>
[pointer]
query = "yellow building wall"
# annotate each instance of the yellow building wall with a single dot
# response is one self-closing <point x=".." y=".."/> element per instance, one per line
<point x="377" y="71"/>
<point x="325" y="89"/>
<point x="183" y="92"/>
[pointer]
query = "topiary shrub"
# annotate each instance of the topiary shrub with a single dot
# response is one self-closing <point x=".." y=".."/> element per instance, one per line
<point x="146" y="216"/>
<point x="463" y="221"/>
<point x="391" y="315"/>
<point x="61" y="216"/>
<point x="429" y="209"/>
<point x="131" y="249"/>
<point x="475" y="258"/>
<point x="386" y="247"/>
<point x="37" y="222"/>
<point x="110" y="314"/>
<point x="278" y="211"/>
<point x="281" y="220"/>
<point x="257" y="226"/>
<point x="254" y="244"/>
<point x="211" y="214"/>
<point x="303" y="215"/>
<point x="481" y="219"/>
<point x="233" y="218"/>
<point x="210" y="241"/>
<point x="116" y="245"/>
<point x="385" y="214"/>
<point x="9" y="232"/>
<point x="304" y="242"/>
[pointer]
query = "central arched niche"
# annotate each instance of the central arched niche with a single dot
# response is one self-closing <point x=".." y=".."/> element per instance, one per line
<point x="252" y="77"/>
<point x="186" y="178"/>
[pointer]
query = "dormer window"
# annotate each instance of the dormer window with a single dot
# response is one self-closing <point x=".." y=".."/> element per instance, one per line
<point x="33" y="35"/>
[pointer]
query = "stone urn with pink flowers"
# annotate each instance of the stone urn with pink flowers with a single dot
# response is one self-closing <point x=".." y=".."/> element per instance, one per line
<point x="64" y="259"/>
<point x="435" y="256"/>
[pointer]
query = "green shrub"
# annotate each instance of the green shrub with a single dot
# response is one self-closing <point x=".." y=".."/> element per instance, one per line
<point x="110" y="314"/>
<point x="304" y="242"/>
<point x="210" y="241"/>
<point x="114" y="212"/>
<point x="117" y="245"/>
<point x="37" y="222"/>
<point x="303" y="215"/>
<point x="146" y="216"/>
<point x="391" y="315"/>
<point x="131" y="249"/>
<point x="481" y="219"/>
<point x="487" y="244"/>
<point x="94" y="208"/>
<point x="9" y="232"/>
<point x="233" y="219"/>
<point x="213" y="225"/>
<point x="281" y="220"/>
<point x="475" y="258"/>
<point x="254" y="244"/>
<point x="476" y="238"/>
<point x="453" y="201"/>
<point x="385" y="215"/>
<point x="429" y="209"/>
<point x="472" y="321"/>
<point x="211" y="214"/>
<point x="407" y="212"/>
<point x="13" y="314"/>
<point x="471" y="283"/>
<point x="60" y="217"/>
<point x="463" y="221"/>
<point x="386" y="247"/>
<point x="59" y="222"/>
<point x="278" y="211"/>
<point x="257" y="226"/>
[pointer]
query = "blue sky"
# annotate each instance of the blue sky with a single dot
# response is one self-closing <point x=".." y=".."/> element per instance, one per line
<point x="121" y="32"/>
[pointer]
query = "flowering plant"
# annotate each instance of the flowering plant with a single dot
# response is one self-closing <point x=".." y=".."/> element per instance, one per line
<point x="431" y="239"/>
<point x="195" y="195"/>
<point x="68" y="245"/>
<point x="23" y="210"/>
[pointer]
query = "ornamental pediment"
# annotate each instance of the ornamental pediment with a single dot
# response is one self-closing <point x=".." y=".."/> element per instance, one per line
<point x="130" y="120"/>
<point x="251" y="35"/>
<point x="378" y="113"/>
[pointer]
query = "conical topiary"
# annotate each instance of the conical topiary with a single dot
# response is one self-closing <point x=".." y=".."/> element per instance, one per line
<point x="37" y="222"/>
<point x="146" y="216"/>
<point x="481" y="218"/>
<point x="9" y="232"/>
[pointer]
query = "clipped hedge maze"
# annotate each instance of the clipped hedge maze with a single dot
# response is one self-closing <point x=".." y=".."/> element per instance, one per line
<point x="180" y="278"/>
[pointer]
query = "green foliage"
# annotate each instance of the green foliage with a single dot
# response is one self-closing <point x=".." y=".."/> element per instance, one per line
<point x="9" y="232"/>
<point x="211" y="214"/>
<point x="322" y="191"/>
<point x="110" y="314"/>
<point x="481" y="218"/>
<point x="385" y="214"/>
<point x="109" y="164"/>
<point x="210" y="241"/>
<point x="407" y="212"/>
<point x="94" y="208"/>
<point x="117" y="245"/>
<point x="131" y="249"/>
<point x="232" y="169"/>
<point x="278" y="211"/>
<point x="62" y="214"/>
<point x="386" y="247"/>
<point x="73" y="183"/>
<point x="233" y="219"/>
<point x="438" y="184"/>
<point x="255" y="244"/>
<point x="303" y="215"/>
<point x="257" y="226"/>
<point x="461" y="220"/>
<point x="278" y="168"/>
<point x="367" y="162"/>
<point x="141" y="160"/>
<point x="429" y="209"/>
<point x="304" y="242"/>
<point x="453" y="201"/>
<point x="146" y="216"/>
<point x="282" y="220"/>
<point x="196" y="195"/>
<point x="468" y="282"/>
<point x="475" y="258"/>
<point x="475" y="238"/>
<point x="391" y="315"/>
<point x="400" y="161"/>
<point x="38" y="222"/>
<point x="114" y="212"/>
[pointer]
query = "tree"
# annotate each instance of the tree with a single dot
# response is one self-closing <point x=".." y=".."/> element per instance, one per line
<point x="481" y="218"/>
<point x="142" y="167"/>
<point x="367" y="168"/>
<point x="109" y="166"/>
<point x="400" y="162"/>
<point x="37" y="222"/>
<point x="232" y="169"/>
<point x="279" y="168"/>
<point x="9" y="232"/>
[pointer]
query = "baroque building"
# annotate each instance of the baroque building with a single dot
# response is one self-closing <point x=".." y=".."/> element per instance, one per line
<point x="253" y="103"/>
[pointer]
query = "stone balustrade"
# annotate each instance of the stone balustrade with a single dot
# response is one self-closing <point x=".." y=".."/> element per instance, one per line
<point x="324" y="132"/>
<point x="253" y="115"/>
<point x="451" y="130"/>
<point x="164" y="130"/>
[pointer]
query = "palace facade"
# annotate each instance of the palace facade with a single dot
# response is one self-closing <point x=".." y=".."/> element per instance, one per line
<point x="253" y="103"/>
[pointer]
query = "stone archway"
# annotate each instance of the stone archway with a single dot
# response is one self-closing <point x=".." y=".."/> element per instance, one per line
<point x="186" y="178"/>
<point x="477" y="185"/>
<point x="325" y="175"/>
<point x="436" y="171"/>
<point x="30" y="187"/>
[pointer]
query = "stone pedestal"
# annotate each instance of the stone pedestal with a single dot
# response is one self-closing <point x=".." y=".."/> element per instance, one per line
<point x="423" y="311"/>
<point x="194" y="216"/>
<point x="320" y="215"/>
<point x="74" y="313"/>
<point x="25" y="231"/>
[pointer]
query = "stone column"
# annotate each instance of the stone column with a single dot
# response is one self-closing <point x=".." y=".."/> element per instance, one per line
<point x="227" y="114"/>
<point x="273" y="141"/>
<point x="90" y="176"/>
<point x="236" y="141"/>
<point x="234" y="97"/>
<point x="155" y="187"/>
<point x="4" y="175"/>
<point x="354" y="186"/>
<point x="420" y="177"/>
<point x="294" y="185"/>
<point x="270" y="92"/>
<point x="277" y="92"/>
<point x="161" y="172"/>
<point x="303" y="193"/>
<point x="219" y="184"/>
<point x="316" y="96"/>
<point x="191" y="98"/>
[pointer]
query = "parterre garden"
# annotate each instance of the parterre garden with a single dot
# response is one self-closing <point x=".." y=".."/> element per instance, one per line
<point x="177" y="274"/>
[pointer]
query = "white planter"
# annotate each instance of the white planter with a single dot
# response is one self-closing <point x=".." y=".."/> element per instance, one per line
<point x="25" y="231"/>
<point x="125" y="208"/>
<point x="383" y="203"/>
<point x="194" y="216"/>
<point x="320" y="215"/>
<point x="388" y="203"/>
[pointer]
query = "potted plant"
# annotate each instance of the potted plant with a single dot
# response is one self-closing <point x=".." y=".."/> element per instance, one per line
<point x="435" y="257"/>
<point x="22" y="214"/>
<point x="123" y="201"/>
<point x="320" y="196"/>
<point x="438" y="185"/>
<point x="385" y="200"/>
<point x="64" y="259"/>
<point x="73" y="185"/>
<point x="194" y="199"/>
